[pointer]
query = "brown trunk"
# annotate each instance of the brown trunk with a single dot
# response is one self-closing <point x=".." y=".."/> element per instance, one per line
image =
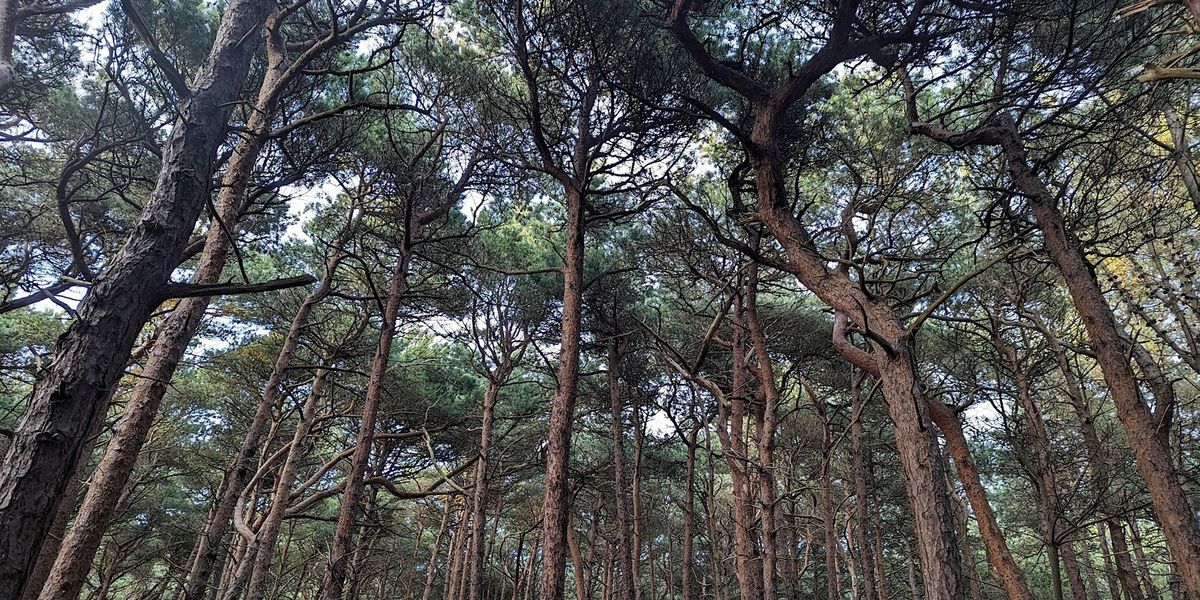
<point x="172" y="339"/>
<point x="828" y="515"/>
<point x="1074" y="576"/>
<point x="208" y="543"/>
<point x="1110" y="571"/>
<point x="90" y="357"/>
<point x="339" y="547"/>
<point x="732" y="433"/>
<point x="1145" y="429"/>
<point x="268" y="534"/>
<point x="431" y="568"/>
<point x="562" y="413"/>
<point x="1143" y="564"/>
<point x="860" y="485"/>
<point x="623" y="545"/>
<point x="1125" y="573"/>
<point x="479" y="496"/>
<point x="995" y="546"/>
<point x="768" y="423"/>
<point x="689" y="516"/>
<point x="581" y="572"/>
<point x="892" y="361"/>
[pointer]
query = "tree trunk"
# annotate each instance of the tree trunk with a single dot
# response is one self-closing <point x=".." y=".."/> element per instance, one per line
<point x="479" y="496"/>
<point x="892" y="361"/>
<point x="768" y="423"/>
<point x="555" y="508"/>
<point x="623" y="546"/>
<point x="996" y="547"/>
<point x="689" y="517"/>
<point x="860" y="484"/>
<point x="172" y="339"/>
<point x="339" y="547"/>
<point x="208" y="543"/>
<point x="268" y="534"/>
<point x="49" y="550"/>
<point x="90" y="357"/>
<point x="431" y="567"/>
<point x="1145" y="430"/>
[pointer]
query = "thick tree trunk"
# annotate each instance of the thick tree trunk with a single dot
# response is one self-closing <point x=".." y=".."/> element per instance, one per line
<point x="689" y="517"/>
<point x="558" y="450"/>
<point x="172" y="339"/>
<point x="90" y="357"/>
<point x="893" y="362"/>
<point x="49" y="551"/>
<point x="624" y="542"/>
<point x="339" y="548"/>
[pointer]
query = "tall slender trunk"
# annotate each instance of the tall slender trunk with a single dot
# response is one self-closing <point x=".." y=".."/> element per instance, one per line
<point x="578" y="566"/>
<point x="479" y="495"/>
<point x="339" y="547"/>
<point x="90" y="357"/>
<point x="555" y="510"/>
<point x="768" y="424"/>
<point x="994" y="544"/>
<point x="860" y="484"/>
<point x="624" y="545"/>
<point x="268" y="534"/>
<point x="828" y="516"/>
<point x="1125" y="572"/>
<point x="732" y="433"/>
<point x="689" y="517"/>
<point x="208" y="543"/>
<point x="431" y="568"/>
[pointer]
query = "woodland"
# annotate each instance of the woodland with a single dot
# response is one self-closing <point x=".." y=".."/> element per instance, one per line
<point x="599" y="299"/>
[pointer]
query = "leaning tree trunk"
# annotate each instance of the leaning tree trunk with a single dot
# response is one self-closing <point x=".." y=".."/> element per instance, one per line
<point x="893" y="362"/>
<point x="339" y="548"/>
<point x="994" y="544"/>
<point x="175" y="333"/>
<point x="268" y="534"/>
<point x="1144" y="429"/>
<point x="90" y="357"/>
<point x="208" y="543"/>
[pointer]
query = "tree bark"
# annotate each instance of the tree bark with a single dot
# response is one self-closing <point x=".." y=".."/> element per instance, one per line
<point x="558" y="450"/>
<point x="339" y="547"/>
<point x="208" y="543"/>
<point x="479" y="496"/>
<point x="268" y="534"/>
<point x="90" y="357"/>
<point x="623" y="545"/>
<point x="860" y="484"/>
